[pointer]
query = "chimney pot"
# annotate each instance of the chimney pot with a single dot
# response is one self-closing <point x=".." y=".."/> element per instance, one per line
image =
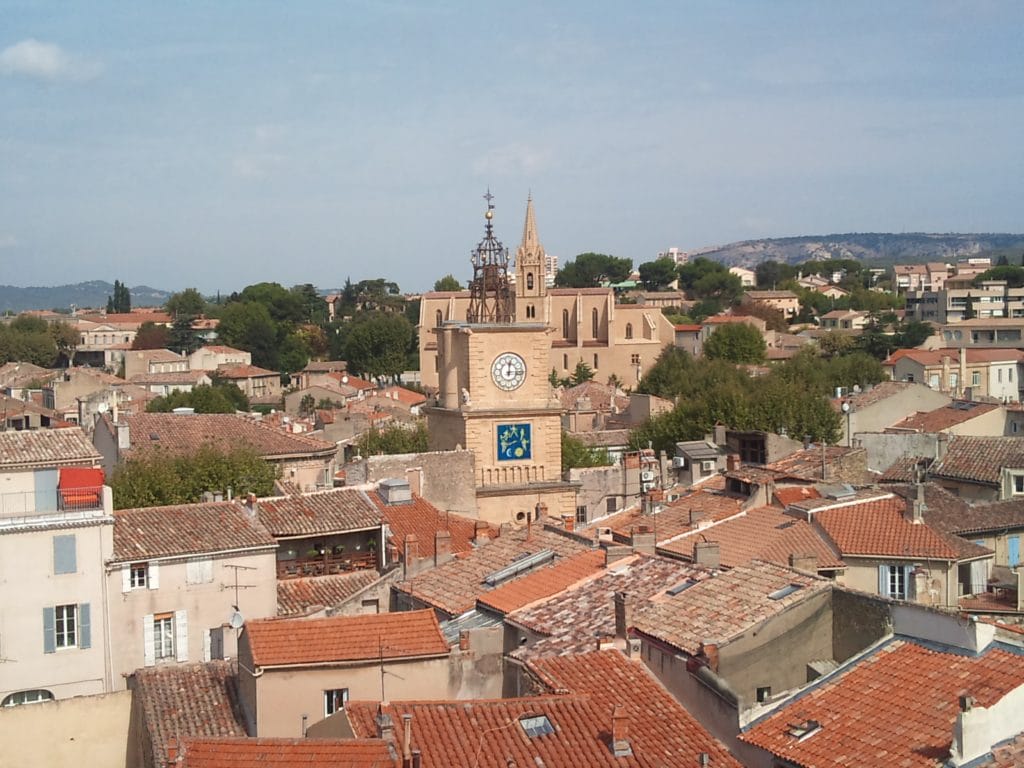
<point x="569" y="522"/>
<point x="623" y="615"/>
<point x="620" y="732"/>
<point x="442" y="547"/>
<point x="707" y="554"/>
<point x="172" y="751"/>
<point x="804" y="561"/>
<point x="464" y="640"/>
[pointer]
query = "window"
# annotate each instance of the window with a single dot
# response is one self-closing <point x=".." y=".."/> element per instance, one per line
<point x="594" y="322"/>
<point x="954" y="381"/>
<point x="163" y="636"/>
<point x="529" y="281"/>
<point x="634" y="359"/>
<point x="66" y="626"/>
<point x="999" y="375"/>
<point x="629" y="330"/>
<point x="531" y="311"/>
<point x="538" y="725"/>
<point x="894" y="581"/>
<point x="910" y="378"/>
<point x="611" y="504"/>
<point x="137" y="573"/>
<point x="335" y="700"/>
<point x="439" y="318"/>
<point x="565" y="362"/>
<point x="764" y="693"/>
<point x="581" y="514"/>
<point x="595" y="362"/>
<point x="1018" y="485"/>
<point x="26" y="697"/>
<point x="64" y="554"/>
<point x="976" y="379"/>
<point x="565" y="323"/>
<point x="199" y="571"/>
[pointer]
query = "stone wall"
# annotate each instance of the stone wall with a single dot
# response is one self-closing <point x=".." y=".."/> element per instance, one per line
<point x="883" y="449"/>
<point x="444" y="478"/>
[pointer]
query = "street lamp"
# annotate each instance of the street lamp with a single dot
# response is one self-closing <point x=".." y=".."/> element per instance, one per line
<point x="847" y="409"/>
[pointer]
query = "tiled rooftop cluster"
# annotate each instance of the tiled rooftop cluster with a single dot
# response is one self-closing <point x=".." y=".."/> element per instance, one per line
<point x="343" y="509"/>
<point x="979" y="459"/>
<point x="424" y="520"/>
<point x="298" y="597"/>
<point x="46" y="447"/>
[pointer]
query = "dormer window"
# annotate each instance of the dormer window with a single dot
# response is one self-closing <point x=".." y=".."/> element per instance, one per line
<point x="537" y="725"/>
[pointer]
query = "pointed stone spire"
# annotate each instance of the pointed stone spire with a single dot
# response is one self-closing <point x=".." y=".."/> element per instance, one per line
<point x="530" y="239"/>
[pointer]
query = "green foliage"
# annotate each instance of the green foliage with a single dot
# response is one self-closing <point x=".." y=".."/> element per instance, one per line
<point x="377" y="343"/>
<point x="1012" y="274"/>
<point x="222" y="397"/>
<point x="876" y="342"/>
<point x="591" y="269"/>
<point x="181" y="337"/>
<point x="582" y="373"/>
<point x="152" y="336"/>
<point x="307" y="405"/>
<point x="706" y="279"/>
<point x="656" y="275"/>
<point x="161" y="480"/>
<point x="188" y="303"/>
<point x="282" y="305"/>
<point x="575" y="454"/>
<point x="737" y="343"/>
<point x="553" y="378"/>
<point x="312" y="304"/>
<point x="121" y="301"/>
<point x="773" y="318"/>
<point x="393" y="439"/>
<point x="30" y="339"/>
<point x="448" y="283"/>
<point x="248" y="325"/>
<point x="771" y="274"/>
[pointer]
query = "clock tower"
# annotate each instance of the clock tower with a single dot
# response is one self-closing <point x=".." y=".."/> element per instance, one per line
<point x="494" y="397"/>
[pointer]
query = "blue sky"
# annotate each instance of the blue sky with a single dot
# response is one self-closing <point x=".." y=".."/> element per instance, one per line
<point x="220" y="144"/>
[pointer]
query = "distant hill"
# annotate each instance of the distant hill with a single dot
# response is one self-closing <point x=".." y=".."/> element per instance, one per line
<point x="872" y="247"/>
<point x="81" y="295"/>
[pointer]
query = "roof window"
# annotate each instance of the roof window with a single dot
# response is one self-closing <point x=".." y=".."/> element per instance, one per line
<point x="536" y="725"/>
<point x="803" y="730"/>
<point x="786" y="591"/>
<point x="680" y="587"/>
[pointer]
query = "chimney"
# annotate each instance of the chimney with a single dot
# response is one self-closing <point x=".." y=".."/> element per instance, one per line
<point x="464" y="640"/>
<point x="614" y="552"/>
<point x="569" y="522"/>
<point x="385" y="725"/>
<point x="172" y="752"/>
<point x="541" y="510"/>
<point x="707" y="554"/>
<point x="643" y="540"/>
<point x="251" y="507"/>
<point x="804" y="561"/>
<point x="732" y="462"/>
<point x="480" y="532"/>
<point x="529" y="527"/>
<point x="620" y="732"/>
<point x="395" y="491"/>
<point x="623" y="615"/>
<point x="123" y="437"/>
<point x="442" y="547"/>
<point x="407" y="746"/>
<point x="962" y="378"/>
<point x="719" y="434"/>
<point x="709" y="652"/>
<point x="696" y="515"/>
<point x="412" y="554"/>
<point x="915" y="509"/>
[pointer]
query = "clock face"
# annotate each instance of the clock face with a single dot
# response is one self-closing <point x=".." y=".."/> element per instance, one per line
<point x="508" y="371"/>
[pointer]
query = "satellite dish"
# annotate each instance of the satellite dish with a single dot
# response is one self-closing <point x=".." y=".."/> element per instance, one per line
<point x="236" y="621"/>
<point x="344" y="379"/>
<point x="102" y="407"/>
<point x="856" y="388"/>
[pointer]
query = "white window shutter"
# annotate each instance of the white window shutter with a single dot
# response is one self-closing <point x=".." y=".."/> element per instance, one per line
<point x="207" y="646"/>
<point x="207" y="571"/>
<point x="153" y="576"/>
<point x="910" y="582"/>
<point x="148" y="640"/>
<point x="883" y="580"/>
<point x="181" y="635"/>
<point x="126" y="578"/>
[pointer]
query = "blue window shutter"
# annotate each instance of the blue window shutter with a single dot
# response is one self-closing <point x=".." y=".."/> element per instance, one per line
<point x="64" y="560"/>
<point x="49" y="630"/>
<point x="84" y="632"/>
<point x="1013" y="550"/>
<point x="883" y="580"/>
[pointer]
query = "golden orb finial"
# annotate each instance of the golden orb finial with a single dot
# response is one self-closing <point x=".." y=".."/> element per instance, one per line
<point x="489" y="214"/>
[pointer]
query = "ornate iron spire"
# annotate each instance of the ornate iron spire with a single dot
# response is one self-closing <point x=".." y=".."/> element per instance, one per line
<point x="490" y="298"/>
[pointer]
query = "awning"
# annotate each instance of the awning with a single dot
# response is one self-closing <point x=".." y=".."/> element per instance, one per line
<point x="80" y="487"/>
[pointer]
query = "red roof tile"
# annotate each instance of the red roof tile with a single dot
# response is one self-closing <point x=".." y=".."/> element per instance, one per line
<point x="343" y="509"/>
<point x="423" y="519"/>
<point x="24" y="449"/>
<point x="233" y="371"/>
<point x="674" y="518"/>
<point x="298" y="597"/>
<point x="979" y="459"/>
<point x="880" y="529"/>
<point x="185" y="529"/>
<point x="793" y="494"/>
<point x="974" y="356"/>
<point x="897" y="707"/>
<point x="544" y="582"/>
<point x="943" y="418"/>
<point x="277" y="642"/>
<point x="286" y="753"/>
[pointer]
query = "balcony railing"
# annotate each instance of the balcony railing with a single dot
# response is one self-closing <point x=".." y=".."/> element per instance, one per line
<point x="325" y="565"/>
<point x="66" y="503"/>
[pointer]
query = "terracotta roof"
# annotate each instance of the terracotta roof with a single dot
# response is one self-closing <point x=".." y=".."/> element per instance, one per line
<point x="543" y="582"/>
<point x="603" y="438"/>
<point x="904" y="469"/>
<point x="979" y="459"/>
<point x="874" y="394"/>
<point x="766" y="533"/>
<point x="572" y="619"/>
<point x="286" y="753"/>
<point x="720" y="319"/>
<point x="169" y="377"/>
<point x="490" y="732"/>
<point x="343" y="509"/>
<point x="455" y="586"/>
<point x="795" y="493"/>
<point x="1010" y="754"/>
<point x="806" y="464"/>
<point x="974" y="356"/>
<point x="231" y="371"/>
<point x="685" y="328"/>
<point x="12" y="406"/>
<point x="158" y="355"/>
<point x="325" y="366"/>
<point x="881" y="529"/>
<point x="946" y="512"/>
<point x="298" y="597"/>
<point x="182" y="700"/>
<point x="674" y="518"/>
<point x="400" y="395"/>
<point x="17" y="375"/>
<point x="185" y="529"/>
<point x="896" y="707"/>
<point x="138" y="318"/>
<point x="280" y="642"/>
<point x="183" y="433"/>
<point x="220" y="349"/>
<point x="758" y="295"/>
<point x="423" y="519"/>
<point x="350" y="380"/>
<point x="601" y="396"/>
<point x="46" y="447"/>
<point x="943" y="418"/>
<point x="717" y="610"/>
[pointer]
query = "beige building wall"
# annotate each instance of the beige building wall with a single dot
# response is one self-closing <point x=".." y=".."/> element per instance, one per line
<point x="898" y="406"/>
<point x="208" y="359"/>
<point x="88" y="731"/>
<point x="197" y="607"/>
<point x="936" y="587"/>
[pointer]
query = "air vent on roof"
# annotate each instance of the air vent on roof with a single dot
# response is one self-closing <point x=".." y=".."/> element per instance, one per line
<point x="154" y="436"/>
<point x="680" y="587"/>
<point x="519" y="566"/>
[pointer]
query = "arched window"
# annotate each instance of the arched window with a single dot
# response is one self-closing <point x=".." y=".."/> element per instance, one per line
<point x="26" y="697"/>
<point x="593" y="322"/>
<point x="439" y="318"/>
<point x="531" y="311"/>
<point x="629" y="330"/>
<point x="529" y="281"/>
<point x="565" y="323"/>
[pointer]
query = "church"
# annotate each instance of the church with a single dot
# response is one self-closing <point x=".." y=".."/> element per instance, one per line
<point x="620" y="340"/>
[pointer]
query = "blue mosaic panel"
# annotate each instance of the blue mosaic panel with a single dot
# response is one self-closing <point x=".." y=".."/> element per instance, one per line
<point x="515" y="442"/>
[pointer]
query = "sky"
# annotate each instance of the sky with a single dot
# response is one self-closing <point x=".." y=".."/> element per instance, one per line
<point x="219" y="144"/>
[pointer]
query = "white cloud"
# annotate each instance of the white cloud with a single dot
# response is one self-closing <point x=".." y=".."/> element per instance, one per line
<point x="510" y="160"/>
<point x="45" y="61"/>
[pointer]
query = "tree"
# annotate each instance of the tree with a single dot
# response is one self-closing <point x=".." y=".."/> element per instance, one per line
<point x="182" y="338"/>
<point x="576" y="454"/>
<point x="656" y="275"/>
<point x="1012" y="274"/>
<point x="737" y="343"/>
<point x="394" y="439"/>
<point x="248" y="325"/>
<point x="773" y="318"/>
<point x="307" y="405"/>
<point x="588" y="270"/>
<point x="313" y="305"/>
<point x="121" y="301"/>
<point x="188" y="303"/>
<point x="152" y="336"/>
<point x="222" y="397"/>
<point x="282" y="304"/>
<point x="969" y="313"/>
<point x="770" y="274"/>
<point x="163" y="480"/>
<point x="65" y="338"/>
<point x="1003" y="261"/>
<point x="377" y="344"/>
<point x="448" y="283"/>
<point x="582" y="373"/>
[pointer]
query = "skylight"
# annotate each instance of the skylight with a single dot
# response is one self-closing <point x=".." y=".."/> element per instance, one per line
<point x="786" y="591"/>
<point x="518" y="566"/>
<point x="680" y="587"/>
<point x="537" y="725"/>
